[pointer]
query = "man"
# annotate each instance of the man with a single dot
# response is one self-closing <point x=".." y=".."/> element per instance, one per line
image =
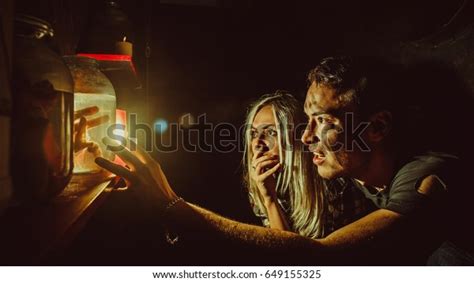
<point x="408" y="185"/>
<point x="354" y="131"/>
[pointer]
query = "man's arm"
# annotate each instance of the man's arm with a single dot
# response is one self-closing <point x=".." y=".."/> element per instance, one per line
<point x="382" y="226"/>
<point x="187" y="220"/>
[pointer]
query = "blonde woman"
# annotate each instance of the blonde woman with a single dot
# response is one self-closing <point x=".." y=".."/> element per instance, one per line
<point x="284" y="188"/>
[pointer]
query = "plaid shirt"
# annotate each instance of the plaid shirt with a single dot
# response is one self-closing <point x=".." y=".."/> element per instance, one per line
<point x="344" y="203"/>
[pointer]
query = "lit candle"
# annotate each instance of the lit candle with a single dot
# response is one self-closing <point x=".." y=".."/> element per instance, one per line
<point x="124" y="47"/>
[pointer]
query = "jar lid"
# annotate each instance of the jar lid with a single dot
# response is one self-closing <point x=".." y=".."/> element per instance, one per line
<point x="87" y="76"/>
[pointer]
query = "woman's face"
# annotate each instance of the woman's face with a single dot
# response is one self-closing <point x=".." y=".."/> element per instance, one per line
<point x="264" y="134"/>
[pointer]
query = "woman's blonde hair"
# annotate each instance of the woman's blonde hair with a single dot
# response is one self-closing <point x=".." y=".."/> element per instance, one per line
<point x="298" y="180"/>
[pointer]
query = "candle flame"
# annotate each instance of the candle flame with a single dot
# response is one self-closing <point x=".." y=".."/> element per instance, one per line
<point x="124" y="38"/>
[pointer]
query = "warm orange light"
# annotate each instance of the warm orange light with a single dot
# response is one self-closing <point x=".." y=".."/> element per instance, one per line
<point x="120" y="118"/>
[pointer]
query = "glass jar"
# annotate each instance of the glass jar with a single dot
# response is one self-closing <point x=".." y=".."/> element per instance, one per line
<point x="92" y="89"/>
<point x="42" y="117"/>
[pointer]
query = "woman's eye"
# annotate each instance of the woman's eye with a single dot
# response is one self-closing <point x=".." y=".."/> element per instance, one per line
<point x="272" y="132"/>
<point x="253" y="134"/>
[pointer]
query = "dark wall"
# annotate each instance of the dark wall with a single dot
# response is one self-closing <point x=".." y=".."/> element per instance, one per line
<point x="217" y="60"/>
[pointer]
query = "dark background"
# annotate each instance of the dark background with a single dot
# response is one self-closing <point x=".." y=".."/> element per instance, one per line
<point x="214" y="58"/>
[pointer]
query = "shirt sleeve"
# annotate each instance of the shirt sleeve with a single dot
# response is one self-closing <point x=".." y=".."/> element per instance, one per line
<point x="405" y="197"/>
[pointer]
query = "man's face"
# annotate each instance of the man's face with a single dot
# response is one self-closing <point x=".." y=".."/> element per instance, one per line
<point x="325" y="134"/>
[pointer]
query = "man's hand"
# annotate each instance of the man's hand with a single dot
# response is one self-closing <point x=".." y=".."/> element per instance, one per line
<point x="143" y="173"/>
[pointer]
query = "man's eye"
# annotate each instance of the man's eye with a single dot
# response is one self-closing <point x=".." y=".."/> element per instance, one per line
<point x="324" y="120"/>
<point x="321" y="120"/>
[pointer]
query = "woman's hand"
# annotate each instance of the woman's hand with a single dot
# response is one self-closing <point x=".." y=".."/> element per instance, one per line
<point x="263" y="169"/>
<point x="144" y="173"/>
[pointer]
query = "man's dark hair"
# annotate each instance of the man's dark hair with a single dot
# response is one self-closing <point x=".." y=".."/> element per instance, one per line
<point x="335" y="72"/>
<point x="419" y="96"/>
<point x="367" y="83"/>
<point x="372" y="85"/>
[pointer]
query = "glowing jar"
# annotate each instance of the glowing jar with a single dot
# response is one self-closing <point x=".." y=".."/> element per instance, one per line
<point x="92" y="89"/>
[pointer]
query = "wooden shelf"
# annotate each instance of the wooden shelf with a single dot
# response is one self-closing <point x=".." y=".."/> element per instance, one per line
<point x="36" y="235"/>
